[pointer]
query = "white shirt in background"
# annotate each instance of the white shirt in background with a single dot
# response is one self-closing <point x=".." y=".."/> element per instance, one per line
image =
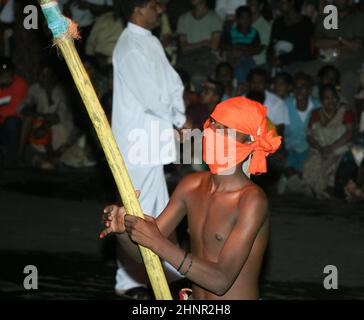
<point x="147" y="92"/>
<point x="277" y="109"/>
<point x="264" y="28"/>
<point x="304" y="114"/>
<point x="200" y="29"/>
<point x="226" y="8"/>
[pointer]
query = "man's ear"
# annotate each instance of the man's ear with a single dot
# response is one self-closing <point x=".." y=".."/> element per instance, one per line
<point x="138" y="11"/>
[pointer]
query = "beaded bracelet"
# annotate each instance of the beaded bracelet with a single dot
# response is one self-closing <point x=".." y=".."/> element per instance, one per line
<point x="183" y="261"/>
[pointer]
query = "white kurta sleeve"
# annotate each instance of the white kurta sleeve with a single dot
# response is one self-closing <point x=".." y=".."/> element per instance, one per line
<point x="163" y="102"/>
<point x="179" y="117"/>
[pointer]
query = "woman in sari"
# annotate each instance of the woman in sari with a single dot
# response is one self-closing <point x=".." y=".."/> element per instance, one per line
<point x="329" y="134"/>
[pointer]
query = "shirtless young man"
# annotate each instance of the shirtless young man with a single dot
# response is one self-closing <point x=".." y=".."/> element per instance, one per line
<point x="227" y="214"/>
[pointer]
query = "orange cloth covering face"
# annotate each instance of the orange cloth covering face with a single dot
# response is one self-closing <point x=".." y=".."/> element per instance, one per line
<point x="245" y="116"/>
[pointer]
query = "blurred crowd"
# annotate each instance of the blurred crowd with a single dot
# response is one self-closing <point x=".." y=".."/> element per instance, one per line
<point x="277" y="52"/>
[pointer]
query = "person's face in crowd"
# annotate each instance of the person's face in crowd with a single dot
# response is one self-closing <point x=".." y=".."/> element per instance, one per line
<point x="208" y="95"/>
<point x="244" y="21"/>
<point x="6" y="78"/>
<point x="281" y="87"/>
<point x="255" y="7"/>
<point x="225" y="76"/>
<point x="301" y="92"/>
<point x="258" y="83"/>
<point x="151" y="14"/>
<point x="329" y="100"/>
<point x="286" y="5"/>
<point x="329" y="77"/>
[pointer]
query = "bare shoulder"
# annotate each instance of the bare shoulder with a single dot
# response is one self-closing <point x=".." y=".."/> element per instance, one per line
<point x="253" y="200"/>
<point x="192" y="182"/>
<point x="252" y="191"/>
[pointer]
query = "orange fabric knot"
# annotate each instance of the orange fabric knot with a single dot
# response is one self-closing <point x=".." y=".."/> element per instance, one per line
<point x="247" y="117"/>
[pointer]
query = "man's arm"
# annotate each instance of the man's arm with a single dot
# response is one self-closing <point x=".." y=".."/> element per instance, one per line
<point x="186" y="46"/>
<point x="313" y="143"/>
<point x="346" y="138"/>
<point x="213" y="43"/>
<point x="217" y="277"/>
<point x="215" y="40"/>
<point x="254" y="48"/>
<point x="167" y="222"/>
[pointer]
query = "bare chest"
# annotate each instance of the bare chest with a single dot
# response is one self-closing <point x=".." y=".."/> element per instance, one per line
<point x="210" y="222"/>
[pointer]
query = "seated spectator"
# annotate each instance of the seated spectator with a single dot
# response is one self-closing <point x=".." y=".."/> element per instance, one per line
<point x="190" y="96"/>
<point x="225" y="75"/>
<point x="330" y="131"/>
<point x="349" y="182"/>
<point x="342" y="47"/>
<point x="282" y="85"/>
<point x="240" y="43"/>
<point x="329" y="74"/>
<point x="84" y="12"/>
<point x="226" y="8"/>
<point x="300" y="106"/>
<point x="260" y="97"/>
<point x="275" y="162"/>
<point x="49" y="119"/>
<point x="310" y="10"/>
<point x="197" y="115"/>
<point x="291" y="37"/>
<point x="277" y="109"/>
<point x="13" y="90"/>
<point x="211" y="95"/>
<point x="104" y="34"/>
<point x="199" y="33"/>
<point x="263" y="26"/>
<point x="175" y="8"/>
<point x="101" y="78"/>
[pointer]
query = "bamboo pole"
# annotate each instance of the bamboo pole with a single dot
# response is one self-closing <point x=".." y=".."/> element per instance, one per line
<point x="99" y="120"/>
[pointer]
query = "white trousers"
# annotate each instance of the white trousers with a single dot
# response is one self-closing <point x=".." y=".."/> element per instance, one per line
<point x="153" y="199"/>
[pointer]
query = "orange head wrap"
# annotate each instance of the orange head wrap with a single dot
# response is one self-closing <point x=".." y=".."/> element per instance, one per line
<point x="245" y="116"/>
